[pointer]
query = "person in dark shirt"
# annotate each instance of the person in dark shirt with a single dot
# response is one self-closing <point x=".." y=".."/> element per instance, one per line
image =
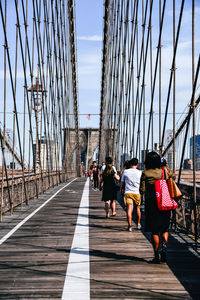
<point x="95" y="169"/>
<point x="156" y="221"/>
<point x="109" y="194"/>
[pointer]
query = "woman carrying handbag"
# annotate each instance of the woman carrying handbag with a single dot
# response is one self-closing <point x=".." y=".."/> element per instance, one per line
<point x="156" y="221"/>
<point x="109" y="194"/>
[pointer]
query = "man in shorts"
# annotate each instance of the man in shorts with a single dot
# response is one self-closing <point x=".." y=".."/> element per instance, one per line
<point x="131" y="180"/>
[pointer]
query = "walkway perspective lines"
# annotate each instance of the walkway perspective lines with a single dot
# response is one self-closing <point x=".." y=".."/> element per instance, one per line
<point x="5" y="237"/>
<point x="77" y="281"/>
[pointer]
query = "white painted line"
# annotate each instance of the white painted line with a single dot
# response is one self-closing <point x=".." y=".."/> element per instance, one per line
<point x="3" y="239"/>
<point x="77" y="280"/>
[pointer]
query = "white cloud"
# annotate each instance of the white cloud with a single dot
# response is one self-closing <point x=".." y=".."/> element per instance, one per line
<point x="187" y="16"/>
<point x="89" y="83"/>
<point x="89" y="71"/>
<point x="92" y="58"/>
<point x="20" y="74"/>
<point x="187" y="13"/>
<point x="183" y="76"/>
<point x="92" y="38"/>
<point x="183" y="65"/>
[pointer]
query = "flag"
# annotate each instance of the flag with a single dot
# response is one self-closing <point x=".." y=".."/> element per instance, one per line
<point x="88" y="117"/>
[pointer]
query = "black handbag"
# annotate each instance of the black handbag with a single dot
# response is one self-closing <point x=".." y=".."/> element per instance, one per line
<point x="117" y="183"/>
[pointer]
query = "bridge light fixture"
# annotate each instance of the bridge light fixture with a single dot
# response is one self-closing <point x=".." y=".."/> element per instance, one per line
<point x="37" y="102"/>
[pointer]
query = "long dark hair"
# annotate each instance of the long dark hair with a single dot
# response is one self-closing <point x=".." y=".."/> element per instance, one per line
<point x="126" y="164"/>
<point x="108" y="169"/>
<point x="152" y="161"/>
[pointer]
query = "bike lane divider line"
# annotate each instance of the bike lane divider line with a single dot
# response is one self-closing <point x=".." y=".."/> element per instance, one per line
<point x="77" y="280"/>
<point x="5" y="237"/>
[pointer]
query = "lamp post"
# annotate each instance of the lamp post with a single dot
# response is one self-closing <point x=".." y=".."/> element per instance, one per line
<point x="37" y="101"/>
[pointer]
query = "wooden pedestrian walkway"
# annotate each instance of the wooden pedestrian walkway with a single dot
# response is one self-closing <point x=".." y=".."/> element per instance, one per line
<point x="34" y="258"/>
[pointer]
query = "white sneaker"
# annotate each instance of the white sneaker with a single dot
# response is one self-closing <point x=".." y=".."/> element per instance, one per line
<point x="139" y="226"/>
<point x="130" y="229"/>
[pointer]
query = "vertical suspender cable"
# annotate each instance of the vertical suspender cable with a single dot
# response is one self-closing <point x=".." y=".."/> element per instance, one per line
<point x="194" y="129"/>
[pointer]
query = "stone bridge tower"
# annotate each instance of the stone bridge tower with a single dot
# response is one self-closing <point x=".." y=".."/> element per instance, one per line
<point x="88" y="142"/>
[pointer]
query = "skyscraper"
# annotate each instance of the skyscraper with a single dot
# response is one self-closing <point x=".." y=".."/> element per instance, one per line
<point x="197" y="150"/>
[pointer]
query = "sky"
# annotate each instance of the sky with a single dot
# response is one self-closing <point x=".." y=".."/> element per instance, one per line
<point x="89" y="31"/>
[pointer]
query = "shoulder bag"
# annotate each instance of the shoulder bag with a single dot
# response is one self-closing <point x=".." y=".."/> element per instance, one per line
<point x="164" y="200"/>
<point x="173" y="189"/>
<point x="117" y="182"/>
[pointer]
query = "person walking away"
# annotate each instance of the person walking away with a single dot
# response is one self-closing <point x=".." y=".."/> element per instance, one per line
<point x="108" y="160"/>
<point x="109" y="193"/>
<point x="125" y="166"/>
<point x="131" y="180"/>
<point x="156" y="221"/>
<point x="95" y="169"/>
<point x="102" y="166"/>
<point x="120" y="194"/>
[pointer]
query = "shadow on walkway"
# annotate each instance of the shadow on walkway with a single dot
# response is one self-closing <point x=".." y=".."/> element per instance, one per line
<point x="182" y="259"/>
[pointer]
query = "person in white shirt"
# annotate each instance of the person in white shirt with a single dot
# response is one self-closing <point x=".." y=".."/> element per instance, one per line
<point x="131" y="180"/>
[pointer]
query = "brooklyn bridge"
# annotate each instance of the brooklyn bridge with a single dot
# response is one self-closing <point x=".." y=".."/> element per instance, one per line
<point x="55" y="242"/>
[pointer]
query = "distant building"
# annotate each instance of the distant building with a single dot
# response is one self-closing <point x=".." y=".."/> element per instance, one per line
<point x="156" y="147"/>
<point x="169" y="158"/>
<point x="197" y="150"/>
<point x="47" y="154"/>
<point x="124" y="157"/>
<point x="96" y="154"/>
<point x="143" y="157"/>
<point x="12" y="165"/>
<point x="187" y="165"/>
<point x="198" y="163"/>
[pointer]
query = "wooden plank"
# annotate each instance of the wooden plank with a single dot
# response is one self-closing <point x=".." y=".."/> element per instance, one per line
<point x="33" y="261"/>
<point x="119" y="260"/>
